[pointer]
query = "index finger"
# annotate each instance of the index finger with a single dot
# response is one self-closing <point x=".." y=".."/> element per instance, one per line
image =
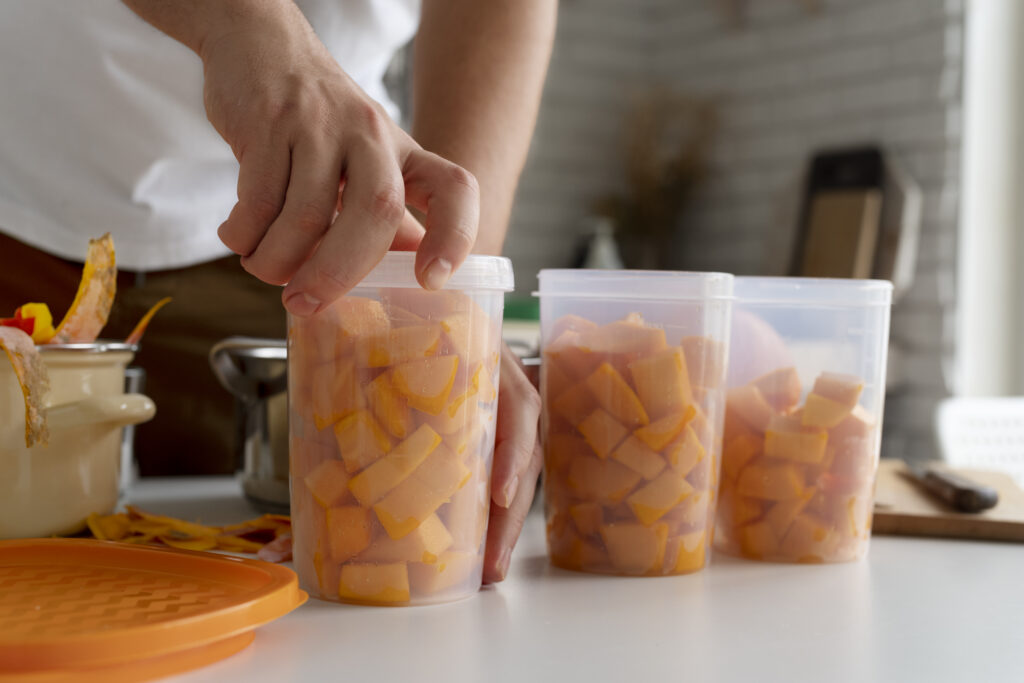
<point x="450" y="197"/>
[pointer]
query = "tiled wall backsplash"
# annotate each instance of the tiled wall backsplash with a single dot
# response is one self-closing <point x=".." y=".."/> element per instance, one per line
<point x="789" y="82"/>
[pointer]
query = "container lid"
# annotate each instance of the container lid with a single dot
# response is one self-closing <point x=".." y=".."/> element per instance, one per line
<point x="397" y="269"/>
<point x="647" y="285"/>
<point x="79" y="605"/>
<point x="812" y="291"/>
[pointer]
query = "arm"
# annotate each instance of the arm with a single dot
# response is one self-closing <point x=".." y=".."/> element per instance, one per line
<point x="300" y="129"/>
<point x="478" y="73"/>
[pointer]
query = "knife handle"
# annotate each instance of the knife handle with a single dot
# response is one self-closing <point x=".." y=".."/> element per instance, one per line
<point x="959" y="492"/>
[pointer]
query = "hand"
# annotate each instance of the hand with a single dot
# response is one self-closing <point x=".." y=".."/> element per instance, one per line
<point x="302" y="132"/>
<point x="517" y="463"/>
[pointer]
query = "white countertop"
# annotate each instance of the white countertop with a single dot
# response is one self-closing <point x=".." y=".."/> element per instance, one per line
<point x="915" y="610"/>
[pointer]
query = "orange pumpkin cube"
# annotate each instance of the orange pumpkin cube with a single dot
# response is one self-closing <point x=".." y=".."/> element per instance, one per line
<point x="361" y="440"/>
<point x="398" y="345"/>
<point x="823" y="413"/>
<point x="461" y="414"/>
<point x="468" y="334"/>
<point x="554" y="380"/>
<point x="328" y="483"/>
<point x="662" y="431"/>
<point x="575" y="404"/>
<point x="633" y="453"/>
<point x="567" y="352"/>
<point x="770" y="481"/>
<point x="603" y="481"/>
<point x="615" y="395"/>
<point x="562" y="448"/>
<point x="758" y="541"/>
<point x="662" y="382"/>
<point x="654" y="499"/>
<point x="426" y="383"/>
<point x="625" y="336"/>
<point x="374" y="583"/>
<point x="348" y="531"/>
<point x="359" y="317"/>
<point x="424" y="544"/>
<point x="809" y="539"/>
<point x="335" y="393"/>
<point x="429" y="486"/>
<point x="685" y="554"/>
<point x="750" y="405"/>
<point x="635" y="548"/>
<point x="685" y="452"/>
<point x="465" y="515"/>
<point x="588" y="518"/>
<point x="388" y="406"/>
<point x="377" y="480"/>
<point x="780" y="388"/>
<point x="738" y="452"/>
<point x="781" y="514"/>
<point x="804" y="447"/>
<point x="844" y="389"/>
<point x="602" y="432"/>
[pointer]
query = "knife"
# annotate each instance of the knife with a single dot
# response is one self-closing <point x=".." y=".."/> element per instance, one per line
<point x="955" y="490"/>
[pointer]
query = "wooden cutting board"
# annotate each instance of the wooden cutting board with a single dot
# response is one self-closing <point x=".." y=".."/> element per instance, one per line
<point x="903" y="508"/>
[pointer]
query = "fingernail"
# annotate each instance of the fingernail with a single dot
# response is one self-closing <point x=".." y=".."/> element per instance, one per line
<point x="437" y="273"/>
<point x="302" y="304"/>
<point x="504" y="560"/>
<point x="508" y="494"/>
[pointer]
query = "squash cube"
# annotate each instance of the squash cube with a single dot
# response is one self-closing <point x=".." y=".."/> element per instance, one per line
<point x="465" y="515"/>
<point x="685" y="554"/>
<point x="374" y="583"/>
<point x="328" y="483"/>
<point x="782" y="513"/>
<point x="804" y="447"/>
<point x="427" y="382"/>
<point x="810" y="539"/>
<point x="654" y="499"/>
<point x="781" y="388"/>
<point x="615" y="395"/>
<point x="750" y="405"/>
<point x="635" y="548"/>
<point x="662" y="382"/>
<point x="561" y="449"/>
<point x="571" y="322"/>
<point x="576" y="360"/>
<point x="424" y="544"/>
<point x="738" y="452"/>
<point x="335" y="393"/>
<point x="388" y="406"/>
<point x="554" y="380"/>
<point x="451" y="569"/>
<point x="381" y="477"/>
<point x="588" y="517"/>
<point x="602" y="481"/>
<point x="430" y="486"/>
<point x="770" y="482"/>
<point x="397" y="345"/>
<point x="823" y="413"/>
<point x="633" y="453"/>
<point x="758" y="541"/>
<point x="844" y="389"/>
<point x="348" y="531"/>
<point x="625" y="336"/>
<point x="575" y="404"/>
<point x="684" y="453"/>
<point x="602" y="432"/>
<point x="662" y="431"/>
<point x="468" y="334"/>
<point x="460" y="415"/>
<point x="361" y="440"/>
<point x="359" y="317"/>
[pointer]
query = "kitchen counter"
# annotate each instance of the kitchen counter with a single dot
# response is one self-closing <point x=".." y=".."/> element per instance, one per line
<point x="916" y="610"/>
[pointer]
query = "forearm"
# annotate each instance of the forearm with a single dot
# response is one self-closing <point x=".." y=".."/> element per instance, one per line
<point x="479" y="69"/>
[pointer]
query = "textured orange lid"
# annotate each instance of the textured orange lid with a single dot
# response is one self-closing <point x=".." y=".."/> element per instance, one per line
<point x="77" y="604"/>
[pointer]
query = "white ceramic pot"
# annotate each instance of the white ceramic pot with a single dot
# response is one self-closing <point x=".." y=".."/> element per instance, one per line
<point x="51" y="489"/>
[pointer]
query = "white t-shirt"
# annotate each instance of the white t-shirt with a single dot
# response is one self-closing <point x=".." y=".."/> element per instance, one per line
<point x="102" y="126"/>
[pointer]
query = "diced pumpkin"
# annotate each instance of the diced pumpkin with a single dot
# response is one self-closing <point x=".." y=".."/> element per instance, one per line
<point x="746" y="510"/>
<point x="575" y="404"/>
<point x="770" y="481"/>
<point x="588" y="517"/>
<point x="554" y="380"/>
<point x="377" y="480"/>
<point x="335" y="393"/>
<point x="691" y="514"/>
<point x="662" y="382"/>
<point x="328" y="483"/>
<point x="758" y="541"/>
<point x="705" y="361"/>
<point x="374" y="583"/>
<point x="662" y="431"/>
<point x="809" y="539"/>
<point x="654" y="499"/>
<point x="461" y="413"/>
<point x="361" y="440"/>
<point x="702" y="475"/>
<point x="468" y="334"/>
<point x="359" y="317"/>
<point x="844" y="389"/>
<point x="615" y="395"/>
<point x="465" y="515"/>
<point x="560" y="449"/>
<point x="388" y="406"/>
<point x="805" y="447"/>
<point x="427" y="382"/>
<point x="635" y="454"/>
<point x="423" y="544"/>
<point x="424" y="491"/>
<point x="738" y="452"/>
<point x="602" y="432"/>
<point x="780" y="388"/>
<point x="685" y="554"/>
<point x="571" y="322"/>
<point x="452" y="568"/>
<point x="781" y="514"/>
<point x="601" y="481"/>
<point x="567" y="352"/>
<point x="398" y="345"/>
<point x="855" y="444"/>
<point x="625" y="336"/>
<point x="468" y="441"/>
<point x="684" y="453"/>
<point x="635" y="548"/>
<point x="823" y="412"/>
<point x="348" y="531"/>
<point x="750" y="405"/>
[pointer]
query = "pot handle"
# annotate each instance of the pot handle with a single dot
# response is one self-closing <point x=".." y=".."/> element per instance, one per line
<point x="118" y="410"/>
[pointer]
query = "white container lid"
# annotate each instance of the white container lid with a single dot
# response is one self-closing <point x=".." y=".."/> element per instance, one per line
<point x="397" y="269"/>
<point x="812" y="291"/>
<point x="643" y="285"/>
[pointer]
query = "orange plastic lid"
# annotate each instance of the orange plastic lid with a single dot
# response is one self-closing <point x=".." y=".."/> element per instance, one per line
<point x="78" y="609"/>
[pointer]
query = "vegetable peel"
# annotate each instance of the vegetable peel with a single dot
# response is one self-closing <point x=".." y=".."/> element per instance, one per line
<point x="89" y="311"/>
<point x="33" y="379"/>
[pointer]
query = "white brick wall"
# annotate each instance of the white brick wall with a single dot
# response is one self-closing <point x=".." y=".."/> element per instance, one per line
<point x="885" y="71"/>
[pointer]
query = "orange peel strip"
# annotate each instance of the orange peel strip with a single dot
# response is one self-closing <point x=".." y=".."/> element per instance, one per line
<point x="136" y="336"/>
<point x="89" y="311"/>
<point x="32" y="377"/>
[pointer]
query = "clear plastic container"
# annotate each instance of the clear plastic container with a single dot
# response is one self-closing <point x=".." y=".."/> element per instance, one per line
<point x="633" y="384"/>
<point x="803" y="418"/>
<point x="393" y="396"/>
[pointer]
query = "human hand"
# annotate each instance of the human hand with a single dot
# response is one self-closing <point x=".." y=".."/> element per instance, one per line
<point x="517" y="463"/>
<point x="302" y="132"/>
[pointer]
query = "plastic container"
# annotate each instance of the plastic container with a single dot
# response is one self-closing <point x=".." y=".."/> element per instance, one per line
<point x="392" y="407"/>
<point x="803" y="418"/>
<point x="633" y="384"/>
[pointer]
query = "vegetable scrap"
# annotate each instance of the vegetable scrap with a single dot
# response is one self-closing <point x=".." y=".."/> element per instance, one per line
<point x="268" y="537"/>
